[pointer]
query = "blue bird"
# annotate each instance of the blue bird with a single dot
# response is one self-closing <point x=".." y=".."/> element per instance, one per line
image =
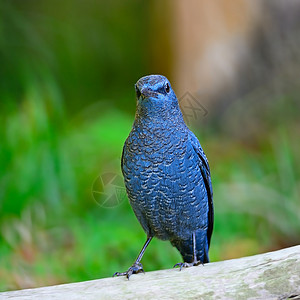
<point x="167" y="176"/>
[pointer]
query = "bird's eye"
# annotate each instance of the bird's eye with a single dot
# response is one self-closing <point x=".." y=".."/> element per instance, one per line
<point x="167" y="88"/>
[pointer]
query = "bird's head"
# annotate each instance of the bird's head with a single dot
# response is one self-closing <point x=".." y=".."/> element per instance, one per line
<point x="156" y="98"/>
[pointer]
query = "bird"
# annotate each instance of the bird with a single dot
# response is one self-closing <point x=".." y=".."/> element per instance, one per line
<point x="167" y="176"/>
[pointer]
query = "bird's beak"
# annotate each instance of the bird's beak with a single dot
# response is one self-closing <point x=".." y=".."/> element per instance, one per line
<point x="143" y="92"/>
<point x="137" y="91"/>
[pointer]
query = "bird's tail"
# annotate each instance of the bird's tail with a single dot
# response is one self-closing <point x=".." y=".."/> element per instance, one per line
<point x="185" y="247"/>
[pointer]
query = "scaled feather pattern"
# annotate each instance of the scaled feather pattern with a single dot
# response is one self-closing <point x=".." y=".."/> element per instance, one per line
<point x="166" y="172"/>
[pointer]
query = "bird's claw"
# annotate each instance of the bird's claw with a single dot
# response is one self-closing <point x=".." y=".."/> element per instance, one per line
<point x="134" y="269"/>
<point x="187" y="265"/>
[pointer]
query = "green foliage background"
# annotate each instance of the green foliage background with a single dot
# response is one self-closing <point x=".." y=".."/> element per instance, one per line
<point x="67" y="106"/>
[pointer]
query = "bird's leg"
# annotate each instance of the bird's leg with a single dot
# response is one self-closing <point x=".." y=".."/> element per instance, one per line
<point x="195" y="261"/>
<point x="137" y="267"/>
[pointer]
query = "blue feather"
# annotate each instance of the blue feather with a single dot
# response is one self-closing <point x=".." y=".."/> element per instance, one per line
<point x="166" y="172"/>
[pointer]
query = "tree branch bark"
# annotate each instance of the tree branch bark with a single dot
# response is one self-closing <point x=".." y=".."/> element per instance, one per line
<point x="273" y="275"/>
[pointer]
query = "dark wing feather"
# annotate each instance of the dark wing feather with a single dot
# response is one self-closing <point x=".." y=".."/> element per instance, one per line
<point x="205" y="171"/>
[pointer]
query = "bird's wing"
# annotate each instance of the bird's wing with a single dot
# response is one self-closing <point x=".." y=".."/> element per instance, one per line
<point x="122" y="157"/>
<point x="205" y="171"/>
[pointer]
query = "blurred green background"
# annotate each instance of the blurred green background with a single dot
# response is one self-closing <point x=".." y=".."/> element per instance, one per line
<point x="67" y="104"/>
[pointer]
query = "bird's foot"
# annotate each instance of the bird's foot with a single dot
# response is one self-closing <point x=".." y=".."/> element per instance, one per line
<point x="187" y="265"/>
<point x="134" y="269"/>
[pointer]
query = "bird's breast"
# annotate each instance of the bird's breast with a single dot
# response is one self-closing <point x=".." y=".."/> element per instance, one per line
<point x="163" y="180"/>
<point x="161" y="166"/>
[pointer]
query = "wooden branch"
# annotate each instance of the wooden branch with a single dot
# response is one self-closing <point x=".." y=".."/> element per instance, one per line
<point x="274" y="275"/>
